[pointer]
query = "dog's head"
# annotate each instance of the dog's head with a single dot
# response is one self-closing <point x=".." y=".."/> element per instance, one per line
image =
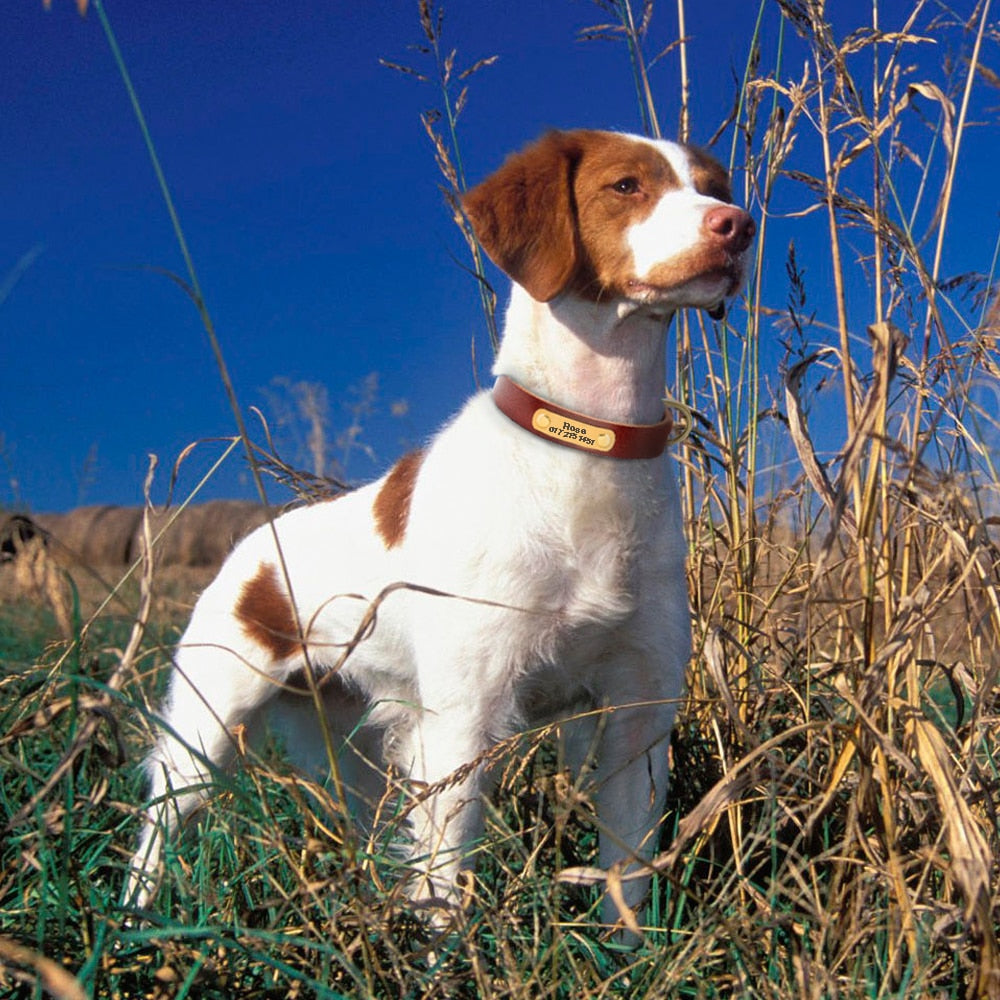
<point x="608" y="216"/>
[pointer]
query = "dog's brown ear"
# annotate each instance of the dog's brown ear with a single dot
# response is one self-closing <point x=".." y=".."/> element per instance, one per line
<point x="523" y="216"/>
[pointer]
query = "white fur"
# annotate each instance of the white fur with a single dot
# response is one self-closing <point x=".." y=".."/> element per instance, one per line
<point x="551" y="581"/>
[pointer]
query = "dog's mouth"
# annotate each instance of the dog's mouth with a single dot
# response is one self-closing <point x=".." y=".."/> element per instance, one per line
<point x="707" y="288"/>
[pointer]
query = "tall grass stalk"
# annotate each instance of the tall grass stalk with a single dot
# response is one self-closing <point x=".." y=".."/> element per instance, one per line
<point x="853" y="619"/>
<point x="448" y="148"/>
<point x="192" y="286"/>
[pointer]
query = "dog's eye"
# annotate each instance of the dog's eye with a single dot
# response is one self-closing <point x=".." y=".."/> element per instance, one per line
<point x="627" y="185"/>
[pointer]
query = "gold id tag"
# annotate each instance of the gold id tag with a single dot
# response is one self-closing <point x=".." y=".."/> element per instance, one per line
<point x="573" y="431"/>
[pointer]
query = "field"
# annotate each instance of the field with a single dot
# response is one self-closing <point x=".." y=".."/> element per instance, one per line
<point x="833" y="829"/>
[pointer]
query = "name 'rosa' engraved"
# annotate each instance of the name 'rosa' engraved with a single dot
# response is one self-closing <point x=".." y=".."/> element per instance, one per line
<point x="581" y="434"/>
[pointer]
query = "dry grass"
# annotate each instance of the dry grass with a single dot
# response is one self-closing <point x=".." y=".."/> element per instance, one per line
<point x="833" y="828"/>
<point x="849" y="622"/>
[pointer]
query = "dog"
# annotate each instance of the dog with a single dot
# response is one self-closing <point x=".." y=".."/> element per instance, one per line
<point x="526" y="566"/>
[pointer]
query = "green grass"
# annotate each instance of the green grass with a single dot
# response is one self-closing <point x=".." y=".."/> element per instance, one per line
<point x="267" y="893"/>
<point x="25" y="629"/>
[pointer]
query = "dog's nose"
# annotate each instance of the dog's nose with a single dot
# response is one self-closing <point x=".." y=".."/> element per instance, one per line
<point x="730" y="226"/>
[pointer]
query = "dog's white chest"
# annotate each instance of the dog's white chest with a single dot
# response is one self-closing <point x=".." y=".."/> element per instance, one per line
<point x="592" y="573"/>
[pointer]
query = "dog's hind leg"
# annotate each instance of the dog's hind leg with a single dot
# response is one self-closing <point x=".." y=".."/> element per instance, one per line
<point x="215" y="689"/>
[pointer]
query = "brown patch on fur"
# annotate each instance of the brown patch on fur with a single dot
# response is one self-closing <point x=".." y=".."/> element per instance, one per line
<point x="709" y="176"/>
<point x="267" y="615"/>
<point x="392" y="505"/>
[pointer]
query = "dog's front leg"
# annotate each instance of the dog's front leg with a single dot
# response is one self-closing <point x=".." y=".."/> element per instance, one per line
<point x="632" y="777"/>
<point x="447" y="780"/>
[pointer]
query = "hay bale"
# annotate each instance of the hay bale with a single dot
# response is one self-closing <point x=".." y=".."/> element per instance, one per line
<point x="38" y="577"/>
<point x="93" y="536"/>
<point x="204" y="534"/>
<point x="201" y="535"/>
<point x="16" y="530"/>
<point x="24" y="545"/>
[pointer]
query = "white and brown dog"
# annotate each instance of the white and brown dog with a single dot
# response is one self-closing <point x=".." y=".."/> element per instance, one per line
<point x="539" y="536"/>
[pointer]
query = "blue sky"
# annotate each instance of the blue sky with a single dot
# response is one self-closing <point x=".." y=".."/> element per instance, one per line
<point x="308" y="194"/>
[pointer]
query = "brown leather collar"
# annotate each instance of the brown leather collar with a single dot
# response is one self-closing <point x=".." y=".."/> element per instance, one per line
<point x="577" y="430"/>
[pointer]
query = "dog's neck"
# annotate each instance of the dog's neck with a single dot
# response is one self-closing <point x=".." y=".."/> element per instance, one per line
<point x="605" y="359"/>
